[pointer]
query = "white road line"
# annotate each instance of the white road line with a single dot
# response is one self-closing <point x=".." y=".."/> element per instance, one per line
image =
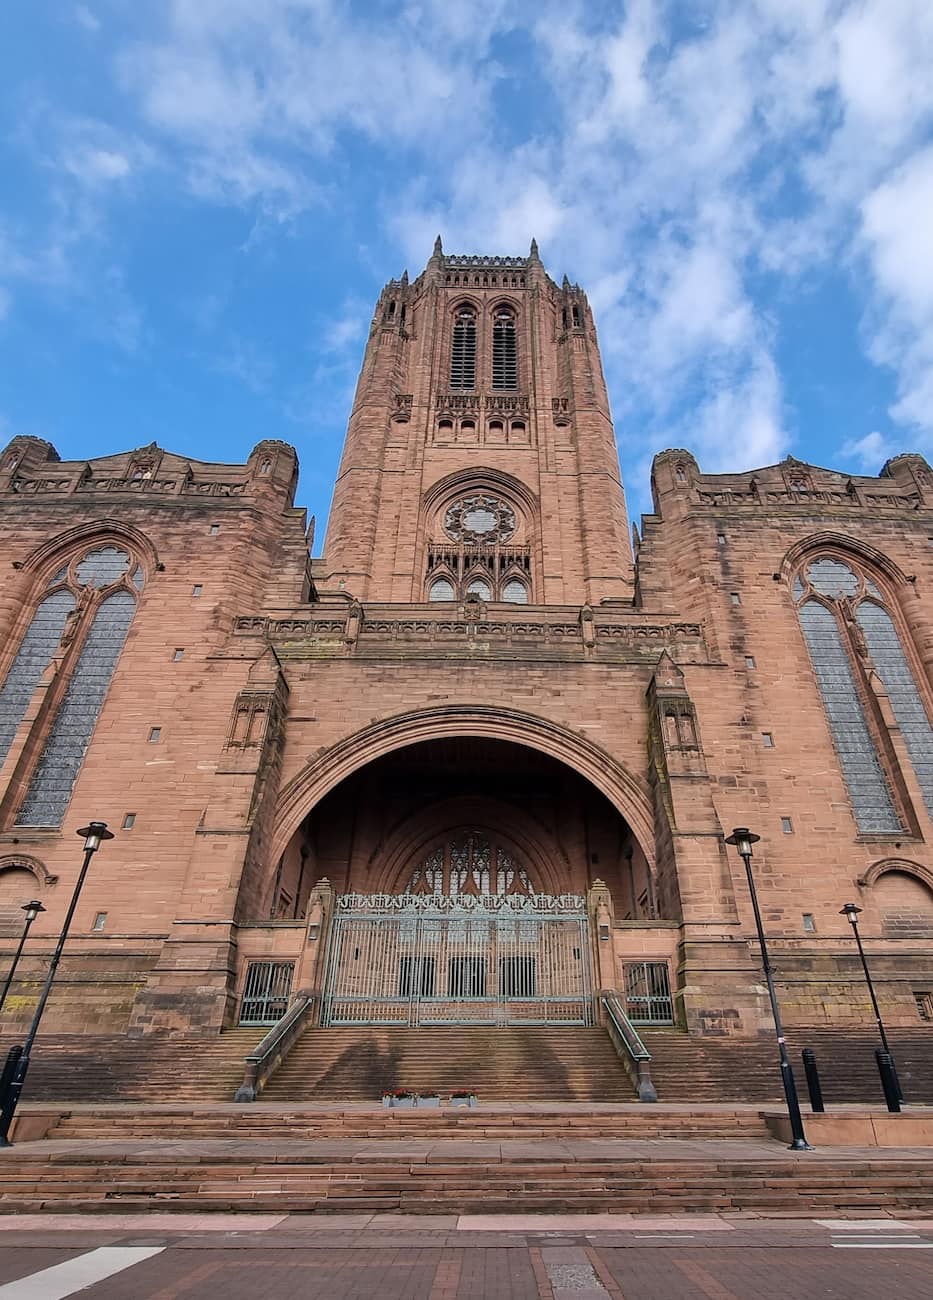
<point x="869" y="1245"/>
<point x="63" y="1280"/>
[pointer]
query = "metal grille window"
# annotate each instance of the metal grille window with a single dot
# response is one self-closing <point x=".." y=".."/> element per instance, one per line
<point x="463" y="352"/>
<point x="266" y="992"/>
<point x="888" y="656"/>
<point x="648" y="993"/>
<point x="504" y="352"/>
<point x="858" y="757"/>
<point x="515" y="592"/>
<point x="35" y="652"/>
<point x="70" y="735"/>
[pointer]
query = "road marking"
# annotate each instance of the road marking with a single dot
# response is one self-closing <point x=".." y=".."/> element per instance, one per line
<point x="76" y="1274"/>
<point x="869" y="1245"/>
<point x="864" y="1225"/>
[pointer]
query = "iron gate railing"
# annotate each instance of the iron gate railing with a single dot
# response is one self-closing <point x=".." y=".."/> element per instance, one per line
<point x="461" y="959"/>
<point x="266" y="992"/>
<point x="648" y="998"/>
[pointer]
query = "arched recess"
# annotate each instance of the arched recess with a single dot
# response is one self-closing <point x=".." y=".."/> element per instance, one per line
<point x="480" y="477"/>
<point x="22" y="862"/>
<point x="903" y="865"/>
<point x="628" y="796"/>
<point x="536" y="851"/>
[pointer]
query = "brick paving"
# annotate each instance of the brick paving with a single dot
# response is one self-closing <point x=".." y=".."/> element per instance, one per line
<point x="678" y="1258"/>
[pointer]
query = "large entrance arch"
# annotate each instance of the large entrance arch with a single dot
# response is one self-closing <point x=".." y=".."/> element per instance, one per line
<point x="460" y="866"/>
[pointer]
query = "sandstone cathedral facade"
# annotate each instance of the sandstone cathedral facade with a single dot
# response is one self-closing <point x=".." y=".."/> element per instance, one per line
<point x="475" y="763"/>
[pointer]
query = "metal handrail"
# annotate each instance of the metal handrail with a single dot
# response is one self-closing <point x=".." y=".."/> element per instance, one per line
<point x="269" y="1053"/>
<point x="637" y="1057"/>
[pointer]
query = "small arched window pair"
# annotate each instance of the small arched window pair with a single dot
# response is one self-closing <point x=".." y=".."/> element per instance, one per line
<point x="849" y="633"/>
<point x="82" y="617"/>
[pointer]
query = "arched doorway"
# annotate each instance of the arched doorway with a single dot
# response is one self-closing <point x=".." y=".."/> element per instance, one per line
<point x="461" y="867"/>
<point x="468" y="940"/>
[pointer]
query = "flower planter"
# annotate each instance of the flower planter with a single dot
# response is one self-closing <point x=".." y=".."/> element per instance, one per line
<point x="428" y="1101"/>
<point x="398" y="1103"/>
<point x="471" y="1101"/>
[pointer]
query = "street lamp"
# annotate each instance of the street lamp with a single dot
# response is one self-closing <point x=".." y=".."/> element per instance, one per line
<point x="743" y="839"/>
<point x="32" y="910"/>
<point x="94" y="834"/>
<point x="852" y="910"/>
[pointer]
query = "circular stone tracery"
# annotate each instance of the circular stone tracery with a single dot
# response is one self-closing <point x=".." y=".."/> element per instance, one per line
<point x="480" y="518"/>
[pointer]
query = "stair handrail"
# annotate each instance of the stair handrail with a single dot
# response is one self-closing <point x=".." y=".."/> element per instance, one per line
<point x="634" y="1053"/>
<point x="268" y="1055"/>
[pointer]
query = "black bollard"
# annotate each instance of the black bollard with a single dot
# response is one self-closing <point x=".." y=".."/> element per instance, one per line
<point x="892" y="1092"/>
<point x="813" y="1080"/>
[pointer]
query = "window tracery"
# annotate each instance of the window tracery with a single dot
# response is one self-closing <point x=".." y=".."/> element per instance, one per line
<point x="469" y="863"/>
<point x="849" y="633"/>
<point x="89" y="605"/>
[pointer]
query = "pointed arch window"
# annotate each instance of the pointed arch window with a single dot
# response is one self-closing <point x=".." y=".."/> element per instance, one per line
<point x="463" y="350"/>
<point x="469" y="863"/>
<point x="850" y="633"/>
<point x="83" y="622"/>
<point x="504" y="350"/>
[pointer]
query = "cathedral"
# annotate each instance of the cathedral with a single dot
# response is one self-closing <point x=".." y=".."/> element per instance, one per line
<point x="475" y="763"/>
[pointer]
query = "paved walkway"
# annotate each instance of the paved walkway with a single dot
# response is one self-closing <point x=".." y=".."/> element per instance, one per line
<point x="571" y="1257"/>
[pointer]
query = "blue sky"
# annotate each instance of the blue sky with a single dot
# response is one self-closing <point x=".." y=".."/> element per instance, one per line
<point x="202" y="198"/>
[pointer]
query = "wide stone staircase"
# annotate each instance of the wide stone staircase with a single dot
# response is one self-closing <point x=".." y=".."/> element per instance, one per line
<point x="686" y="1068"/>
<point x="499" y="1064"/>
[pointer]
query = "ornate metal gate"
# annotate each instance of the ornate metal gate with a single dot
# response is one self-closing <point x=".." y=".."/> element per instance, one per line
<point x="403" y="959"/>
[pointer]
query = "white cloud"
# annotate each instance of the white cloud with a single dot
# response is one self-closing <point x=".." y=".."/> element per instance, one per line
<point x="86" y="19"/>
<point x="868" y="453"/>
<point x="897" y="218"/>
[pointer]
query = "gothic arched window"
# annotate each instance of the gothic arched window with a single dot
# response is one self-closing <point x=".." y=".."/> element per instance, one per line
<point x="469" y="863"/>
<point x="504" y="350"/>
<point x="83" y="622"/>
<point x="514" y="592"/>
<point x="849" y="634"/>
<point x="463" y="350"/>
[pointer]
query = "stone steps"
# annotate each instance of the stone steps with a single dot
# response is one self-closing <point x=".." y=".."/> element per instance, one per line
<point x="499" y="1064"/>
<point x="692" y="1069"/>
<point x="249" y="1124"/>
<point x="481" y="1185"/>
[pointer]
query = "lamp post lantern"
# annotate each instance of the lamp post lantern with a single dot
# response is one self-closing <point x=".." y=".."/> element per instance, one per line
<point x="32" y="910"/>
<point x="94" y="834"/>
<point x="852" y="911"/>
<point x="743" y="839"/>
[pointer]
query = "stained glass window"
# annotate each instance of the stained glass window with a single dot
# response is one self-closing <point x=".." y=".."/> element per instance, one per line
<point x="479" y="588"/>
<point x="889" y="659"/>
<point x="861" y="767"/>
<point x="101" y="568"/>
<point x="35" y="652"/>
<point x="442" y="590"/>
<point x="515" y="592"/>
<point x="70" y="734"/>
<point x="469" y="863"/>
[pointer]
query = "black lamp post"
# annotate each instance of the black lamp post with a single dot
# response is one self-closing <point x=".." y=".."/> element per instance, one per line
<point x="852" y="910"/>
<point x="94" y="834"/>
<point x="32" y="910"/>
<point x="743" y="839"/>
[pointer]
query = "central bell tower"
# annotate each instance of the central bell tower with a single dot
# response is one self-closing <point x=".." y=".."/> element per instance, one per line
<point x="480" y="458"/>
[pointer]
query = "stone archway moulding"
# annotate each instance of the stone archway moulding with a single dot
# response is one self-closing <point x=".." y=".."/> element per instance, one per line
<point x="627" y="795"/>
<point x="22" y="862"/>
<point x="903" y="865"/>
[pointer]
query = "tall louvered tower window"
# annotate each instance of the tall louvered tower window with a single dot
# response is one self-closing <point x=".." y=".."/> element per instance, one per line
<point x="850" y="634"/>
<point x="504" y="351"/>
<point x="463" y="351"/>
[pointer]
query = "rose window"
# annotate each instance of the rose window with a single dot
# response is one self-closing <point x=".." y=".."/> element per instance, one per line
<point x="480" y="519"/>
